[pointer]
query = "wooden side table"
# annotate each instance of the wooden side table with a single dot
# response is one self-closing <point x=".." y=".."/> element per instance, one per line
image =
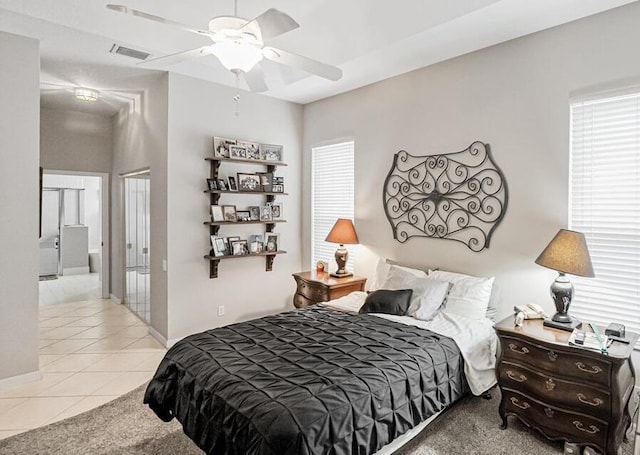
<point x="315" y="287"/>
<point x="565" y="392"/>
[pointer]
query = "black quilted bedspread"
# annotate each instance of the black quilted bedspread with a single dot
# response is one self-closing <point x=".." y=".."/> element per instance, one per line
<point x="312" y="381"/>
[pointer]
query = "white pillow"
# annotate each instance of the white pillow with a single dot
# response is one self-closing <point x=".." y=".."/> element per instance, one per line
<point x="428" y="294"/>
<point x="382" y="270"/>
<point x="469" y="296"/>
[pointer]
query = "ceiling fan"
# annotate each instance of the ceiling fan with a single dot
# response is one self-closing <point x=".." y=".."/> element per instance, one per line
<point x="239" y="44"/>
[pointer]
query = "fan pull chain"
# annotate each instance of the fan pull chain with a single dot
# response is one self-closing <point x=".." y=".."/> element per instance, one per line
<point x="236" y="97"/>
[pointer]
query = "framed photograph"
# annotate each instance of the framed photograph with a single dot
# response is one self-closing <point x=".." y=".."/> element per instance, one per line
<point x="272" y="242"/>
<point x="237" y="152"/>
<point x="249" y="182"/>
<point x="229" y="212"/>
<point x="276" y="211"/>
<point x="243" y="215"/>
<point x="219" y="246"/>
<point x="252" y="150"/>
<point x="254" y="213"/>
<point x="266" y="179"/>
<point x="232" y="183"/>
<point x="212" y="185"/>
<point x="229" y="241"/>
<point x="271" y="152"/>
<point x="239" y="247"/>
<point x="256" y="247"/>
<point x="265" y="213"/>
<point x="222" y="185"/>
<point x="322" y="267"/>
<point x="216" y="213"/>
<point x="277" y="188"/>
<point x="221" y="146"/>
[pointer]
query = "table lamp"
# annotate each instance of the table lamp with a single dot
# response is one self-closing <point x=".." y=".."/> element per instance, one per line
<point x="566" y="253"/>
<point x="342" y="232"/>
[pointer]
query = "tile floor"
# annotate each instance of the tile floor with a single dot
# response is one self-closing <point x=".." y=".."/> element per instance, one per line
<point x="91" y="351"/>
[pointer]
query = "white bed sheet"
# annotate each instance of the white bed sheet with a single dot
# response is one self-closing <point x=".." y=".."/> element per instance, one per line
<point x="475" y="338"/>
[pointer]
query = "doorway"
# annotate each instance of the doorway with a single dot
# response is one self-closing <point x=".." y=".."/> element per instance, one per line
<point x="73" y="263"/>
<point x="137" y="243"/>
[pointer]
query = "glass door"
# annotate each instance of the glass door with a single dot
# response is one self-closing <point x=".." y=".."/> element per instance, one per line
<point x="137" y="243"/>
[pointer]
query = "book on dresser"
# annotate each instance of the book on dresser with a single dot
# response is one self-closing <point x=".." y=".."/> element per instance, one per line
<point x="578" y="395"/>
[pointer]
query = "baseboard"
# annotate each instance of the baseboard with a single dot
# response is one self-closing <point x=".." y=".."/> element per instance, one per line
<point x="158" y="336"/>
<point x="20" y="379"/>
<point x="115" y="299"/>
<point x="75" y="271"/>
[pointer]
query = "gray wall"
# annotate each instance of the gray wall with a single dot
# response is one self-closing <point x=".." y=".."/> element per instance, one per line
<point x="19" y="199"/>
<point x="75" y="141"/>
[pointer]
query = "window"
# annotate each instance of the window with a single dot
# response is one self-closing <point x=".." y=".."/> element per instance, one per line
<point x="332" y="195"/>
<point x="604" y="204"/>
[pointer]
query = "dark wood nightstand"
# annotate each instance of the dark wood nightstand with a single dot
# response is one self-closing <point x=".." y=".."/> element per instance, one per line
<point x="565" y="392"/>
<point x="315" y="287"/>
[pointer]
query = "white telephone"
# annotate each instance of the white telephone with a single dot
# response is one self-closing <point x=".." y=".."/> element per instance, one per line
<point x="530" y="311"/>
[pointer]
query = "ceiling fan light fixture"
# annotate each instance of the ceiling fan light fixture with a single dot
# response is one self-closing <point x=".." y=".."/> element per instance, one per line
<point x="86" y="95"/>
<point x="237" y="56"/>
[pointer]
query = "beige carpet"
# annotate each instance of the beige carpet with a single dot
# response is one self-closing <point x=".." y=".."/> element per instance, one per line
<point x="126" y="426"/>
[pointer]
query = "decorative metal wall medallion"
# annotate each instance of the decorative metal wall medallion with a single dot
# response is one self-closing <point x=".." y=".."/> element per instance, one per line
<point x="458" y="196"/>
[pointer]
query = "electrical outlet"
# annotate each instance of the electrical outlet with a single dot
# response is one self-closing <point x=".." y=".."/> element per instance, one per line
<point x="220" y="310"/>
<point x="164" y="265"/>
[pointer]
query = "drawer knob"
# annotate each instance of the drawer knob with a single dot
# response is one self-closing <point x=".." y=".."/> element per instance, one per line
<point x="549" y="384"/>
<point x="524" y="404"/>
<point x="580" y="426"/>
<point x="549" y="412"/>
<point x="593" y="370"/>
<point x="520" y="350"/>
<point x="516" y="377"/>
<point x="552" y="356"/>
<point x="595" y="403"/>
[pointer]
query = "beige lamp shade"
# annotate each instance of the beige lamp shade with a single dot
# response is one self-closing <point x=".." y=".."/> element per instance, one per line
<point x="567" y="253"/>
<point x="343" y="232"/>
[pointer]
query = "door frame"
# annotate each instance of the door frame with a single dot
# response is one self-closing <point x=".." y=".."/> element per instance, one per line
<point x="105" y="263"/>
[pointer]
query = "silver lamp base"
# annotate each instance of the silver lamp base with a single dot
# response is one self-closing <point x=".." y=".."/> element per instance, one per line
<point x="342" y="256"/>
<point x="562" y="293"/>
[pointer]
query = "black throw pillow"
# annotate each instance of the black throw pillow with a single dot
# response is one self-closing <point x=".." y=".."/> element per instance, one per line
<point x="388" y="302"/>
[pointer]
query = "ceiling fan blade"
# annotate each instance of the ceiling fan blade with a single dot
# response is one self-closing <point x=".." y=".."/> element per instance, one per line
<point x="179" y="56"/>
<point x="152" y="17"/>
<point x="255" y="79"/>
<point x="272" y="23"/>
<point x="298" y="61"/>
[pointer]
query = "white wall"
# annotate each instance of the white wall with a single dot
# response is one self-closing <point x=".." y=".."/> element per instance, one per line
<point x="198" y="111"/>
<point x="515" y="96"/>
<point x="19" y="196"/>
<point x="140" y="141"/>
<point x="75" y="141"/>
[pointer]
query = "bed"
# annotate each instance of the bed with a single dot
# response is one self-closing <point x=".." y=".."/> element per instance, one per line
<point x="320" y="380"/>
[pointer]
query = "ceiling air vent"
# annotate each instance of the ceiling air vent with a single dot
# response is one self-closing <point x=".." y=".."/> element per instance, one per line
<point x="121" y="50"/>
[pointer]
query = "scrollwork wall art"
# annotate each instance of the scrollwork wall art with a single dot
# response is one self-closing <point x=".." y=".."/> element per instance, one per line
<point x="459" y="196"/>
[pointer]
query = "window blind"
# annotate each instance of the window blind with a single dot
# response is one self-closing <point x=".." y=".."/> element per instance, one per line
<point x="332" y="189"/>
<point x="604" y="204"/>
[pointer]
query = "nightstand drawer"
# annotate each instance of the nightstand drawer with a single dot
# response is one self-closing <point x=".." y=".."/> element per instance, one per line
<point x="300" y="301"/>
<point x="313" y="292"/>
<point x="561" y="363"/>
<point x="556" y="423"/>
<point x="574" y="396"/>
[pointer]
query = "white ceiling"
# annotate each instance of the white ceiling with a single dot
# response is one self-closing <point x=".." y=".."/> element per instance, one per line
<point x="370" y="40"/>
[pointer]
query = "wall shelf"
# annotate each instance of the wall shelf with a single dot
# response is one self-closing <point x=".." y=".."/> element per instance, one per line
<point x="215" y="260"/>
<point x="245" y="161"/>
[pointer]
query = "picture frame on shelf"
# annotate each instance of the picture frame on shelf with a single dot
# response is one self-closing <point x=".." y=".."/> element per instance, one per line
<point x="221" y="146"/>
<point x="265" y="213"/>
<point x="252" y="150"/>
<point x="222" y="185"/>
<point x="256" y="243"/>
<point x="277" y="189"/>
<point x="229" y="241"/>
<point x="243" y="215"/>
<point x="239" y="248"/>
<point x="229" y="212"/>
<point x="276" y="210"/>
<point x="266" y="181"/>
<point x="272" y="242"/>
<point x="254" y="213"/>
<point x="233" y="186"/>
<point x="216" y="213"/>
<point x="212" y="185"/>
<point x="249" y="182"/>
<point x="271" y="152"/>
<point x="237" y="152"/>
<point x="219" y="246"/>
